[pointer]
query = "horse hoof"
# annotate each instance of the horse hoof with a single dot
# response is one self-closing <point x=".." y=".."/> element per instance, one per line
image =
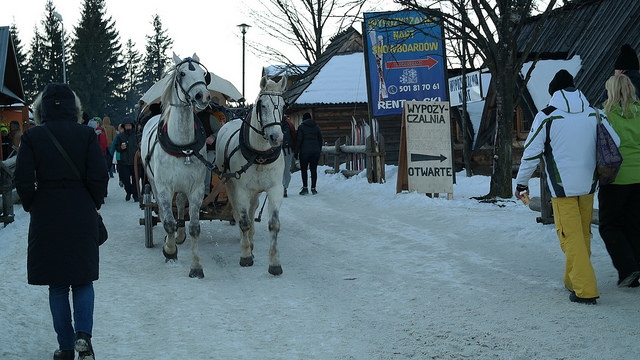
<point x="170" y="257"/>
<point x="196" y="273"/>
<point x="246" y="261"/>
<point x="275" y="270"/>
<point x="180" y="239"/>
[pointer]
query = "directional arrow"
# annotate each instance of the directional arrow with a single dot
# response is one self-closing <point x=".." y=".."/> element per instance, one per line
<point x="430" y="62"/>
<point x="423" y="157"/>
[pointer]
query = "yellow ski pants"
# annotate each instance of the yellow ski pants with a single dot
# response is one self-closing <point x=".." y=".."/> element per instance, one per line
<point x="572" y="217"/>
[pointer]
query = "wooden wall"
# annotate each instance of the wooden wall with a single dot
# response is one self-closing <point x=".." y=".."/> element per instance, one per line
<point x="335" y="122"/>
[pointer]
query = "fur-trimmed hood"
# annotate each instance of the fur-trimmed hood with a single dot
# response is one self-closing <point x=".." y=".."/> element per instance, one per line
<point x="57" y="102"/>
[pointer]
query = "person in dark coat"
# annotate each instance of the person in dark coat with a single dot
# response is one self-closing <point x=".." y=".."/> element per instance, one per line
<point x="308" y="148"/>
<point x="126" y="143"/>
<point x="288" y="149"/>
<point x="63" y="229"/>
<point x="626" y="63"/>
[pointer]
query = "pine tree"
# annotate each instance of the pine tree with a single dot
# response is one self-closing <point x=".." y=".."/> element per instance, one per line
<point x="44" y="63"/>
<point x="96" y="68"/>
<point x="52" y="39"/>
<point x="132" y="89"/>
<point x="156" y="58"/>
<point x="21" y="57"/>
<point x="35" y="75"/>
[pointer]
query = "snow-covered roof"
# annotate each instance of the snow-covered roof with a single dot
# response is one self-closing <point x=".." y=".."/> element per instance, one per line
<point x="542" y="75"/>
<point x="341" y="80"/>
<point x="279" y="70"/>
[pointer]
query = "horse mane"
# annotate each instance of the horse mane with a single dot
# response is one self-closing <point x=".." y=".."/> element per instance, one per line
<point x="165" y="98"/>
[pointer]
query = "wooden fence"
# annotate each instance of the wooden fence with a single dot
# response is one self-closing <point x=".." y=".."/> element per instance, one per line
<point x="364" y="150"/>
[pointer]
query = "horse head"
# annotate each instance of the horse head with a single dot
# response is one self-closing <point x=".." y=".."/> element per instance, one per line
<point x="190" y="79"/>
<point x="269" y="109"/>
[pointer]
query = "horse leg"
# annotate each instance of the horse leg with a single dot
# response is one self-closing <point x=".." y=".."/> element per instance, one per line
<point x="245" y="223"/>
<point x="275" y="201"/>
<point x="194" y="231"/>
<point x="181" y="202"/>
<point x="169" y="250"/>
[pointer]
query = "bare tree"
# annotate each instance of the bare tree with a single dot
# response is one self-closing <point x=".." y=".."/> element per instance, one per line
<point x="303" y="24"/>
<point x="493" y="27"/>
<point x="464" y="56"/>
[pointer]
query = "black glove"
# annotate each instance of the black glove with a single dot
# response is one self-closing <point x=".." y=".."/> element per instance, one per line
<point x="521" y="188"/>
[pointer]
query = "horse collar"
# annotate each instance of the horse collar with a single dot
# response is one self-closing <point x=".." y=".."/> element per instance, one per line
<point x="261" y="157"/>
<point x="182" y="150"/>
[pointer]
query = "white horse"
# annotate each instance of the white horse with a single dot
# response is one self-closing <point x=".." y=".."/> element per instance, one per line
<point x="168" y="142"/>
<point x="248" y="153"/>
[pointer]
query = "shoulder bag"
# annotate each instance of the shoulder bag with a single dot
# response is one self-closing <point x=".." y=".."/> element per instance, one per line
<point x="608" y="157"/>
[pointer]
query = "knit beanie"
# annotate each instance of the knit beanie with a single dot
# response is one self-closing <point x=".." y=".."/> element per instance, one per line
<point x="627" y="60"/>
<point x="561" y="80"/>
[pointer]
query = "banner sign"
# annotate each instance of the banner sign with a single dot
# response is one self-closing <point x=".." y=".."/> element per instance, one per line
<point x="429" y="163"/>
<point x="474" y="88"/>
<point x="404" y="56"/>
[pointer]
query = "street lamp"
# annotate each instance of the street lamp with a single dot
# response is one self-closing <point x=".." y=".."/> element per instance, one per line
<point x="64" y="67"/>
<point x="243" y="28"/>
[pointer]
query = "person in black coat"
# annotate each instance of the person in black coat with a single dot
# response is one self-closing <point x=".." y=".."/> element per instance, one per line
<point x="288" y="149"/>
<point x="63" y="229"/>
<point x="308" y="148"/>
<point x="127" y="146"/>
<point x="626" y="63"/>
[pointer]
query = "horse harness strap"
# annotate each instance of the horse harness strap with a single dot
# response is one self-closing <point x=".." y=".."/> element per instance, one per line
<point x="225" y="175"/>
<point x="259" y="157"/>
<point x="182" y="150"/>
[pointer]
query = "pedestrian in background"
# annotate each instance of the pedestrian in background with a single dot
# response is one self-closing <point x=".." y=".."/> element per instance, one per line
<point x="6" y="142"/>
<point x="619" y="202"/>
<point x="63" y="229"/>
<point x="15" y="135"/>
<point x="564" y="136"/>
<point x="308" y="147"/>
<point x="126" y="144"/>
<point x="110" y="132"/>
<point x="626" y="63"/>
<point x="102" y="140"/>
<point x="288" y="149"/>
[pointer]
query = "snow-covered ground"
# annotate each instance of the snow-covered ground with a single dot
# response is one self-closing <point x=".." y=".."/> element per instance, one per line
<point x="368" y="274"/>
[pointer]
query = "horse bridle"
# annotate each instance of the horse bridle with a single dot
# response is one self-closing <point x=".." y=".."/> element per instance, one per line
<point x="251" y="155"/>
<point x="262" y="131"/>
<point x="178" y="84"/>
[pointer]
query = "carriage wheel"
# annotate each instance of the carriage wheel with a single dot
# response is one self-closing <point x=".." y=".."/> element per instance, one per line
<point x="148" y="217"/>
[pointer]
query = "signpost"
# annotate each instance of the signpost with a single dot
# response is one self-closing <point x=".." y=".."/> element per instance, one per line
<point x="426" y="164"/>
